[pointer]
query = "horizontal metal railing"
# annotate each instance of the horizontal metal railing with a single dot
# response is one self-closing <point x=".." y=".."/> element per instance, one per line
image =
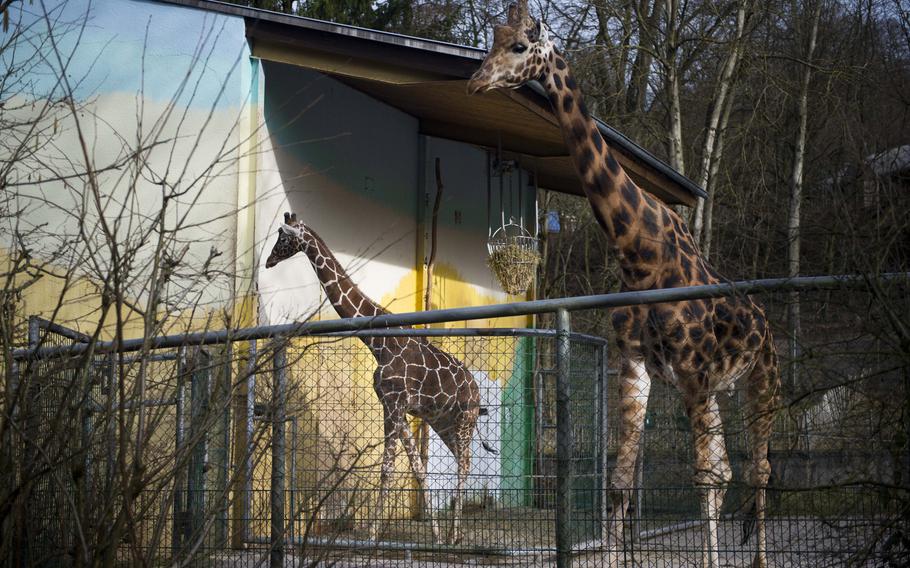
<point x="619" y="299"/>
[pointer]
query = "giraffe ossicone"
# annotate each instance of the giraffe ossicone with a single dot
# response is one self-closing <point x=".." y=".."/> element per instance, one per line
<point x="412" y="376"/>
<point x="702" y="347"/>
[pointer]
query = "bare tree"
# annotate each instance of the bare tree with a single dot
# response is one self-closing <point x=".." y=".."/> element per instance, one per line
<point x="796" y="183"/>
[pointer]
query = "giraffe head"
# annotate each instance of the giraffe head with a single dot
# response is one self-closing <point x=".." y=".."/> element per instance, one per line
<point x="518" y="55"/>
<point x="291" y="240"/>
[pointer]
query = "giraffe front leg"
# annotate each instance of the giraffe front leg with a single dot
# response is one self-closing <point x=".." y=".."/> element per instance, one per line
<point x="634" y="389"/>
<point x="712" y="470"/>
<point x="390" y="450"/>
<point x="420" y="474"/>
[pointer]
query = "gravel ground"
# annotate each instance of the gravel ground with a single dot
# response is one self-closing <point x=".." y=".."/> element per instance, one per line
<point x="792" y="542"/>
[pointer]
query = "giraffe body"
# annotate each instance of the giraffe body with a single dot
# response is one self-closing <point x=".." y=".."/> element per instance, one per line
<point x="412" y="377"/>
<point x="702" y="347"/>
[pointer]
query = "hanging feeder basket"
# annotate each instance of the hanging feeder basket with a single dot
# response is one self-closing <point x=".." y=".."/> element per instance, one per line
<point x="513" y="257"/>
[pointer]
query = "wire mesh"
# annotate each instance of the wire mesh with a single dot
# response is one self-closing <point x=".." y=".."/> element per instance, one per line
<point x="239" y="468"/>
<point x="840" y="466"/>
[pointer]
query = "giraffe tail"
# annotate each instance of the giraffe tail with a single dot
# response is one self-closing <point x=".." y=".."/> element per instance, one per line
<point x="486" y="445"/>
<point x="489" y="448"/>
<point x="748" y="523"/>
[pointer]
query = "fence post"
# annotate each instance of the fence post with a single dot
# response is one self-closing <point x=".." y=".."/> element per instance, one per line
<point x="221" y="394"/>
<point x="250" y="442"/>
<point x="109" y="392"/>
<point x="242" y="480"/>
<point x="34" y="331"/>
<point x="179" y="530"/>
<point x="564" y="442"/>
<point x="200" y="421"/>
<point x="279" y="417"/>
<point x="603" y="428"/>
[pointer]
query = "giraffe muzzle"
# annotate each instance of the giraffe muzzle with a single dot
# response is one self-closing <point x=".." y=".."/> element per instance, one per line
<point x="479" y="83"/>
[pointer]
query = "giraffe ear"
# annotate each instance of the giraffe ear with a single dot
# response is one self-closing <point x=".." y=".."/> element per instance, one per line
<point x="514" y="17"/>
<point x="287" y="218"/>
<point x="522" y="10"/>
<point x="534" y="31"/>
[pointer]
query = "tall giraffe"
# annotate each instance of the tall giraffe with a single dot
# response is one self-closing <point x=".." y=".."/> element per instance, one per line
<point x="412" y="377"/>
<point x="702" y="347"/>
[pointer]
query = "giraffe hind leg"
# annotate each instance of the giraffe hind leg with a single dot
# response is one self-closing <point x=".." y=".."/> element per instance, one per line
<point x="762" y="389"/>
<point x="419" y="474"/>
<point x="458" y="440"/>
<point x="464" y="467"/>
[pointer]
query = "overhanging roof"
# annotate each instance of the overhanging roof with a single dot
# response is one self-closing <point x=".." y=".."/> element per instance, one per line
<point x="427" y="79"/>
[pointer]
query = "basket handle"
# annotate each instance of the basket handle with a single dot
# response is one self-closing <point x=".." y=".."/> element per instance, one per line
<point x="512" y="223"/>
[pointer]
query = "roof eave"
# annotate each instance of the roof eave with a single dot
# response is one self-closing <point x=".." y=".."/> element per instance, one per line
<point x="452" y="60"/>
<point x="259" y="15"/>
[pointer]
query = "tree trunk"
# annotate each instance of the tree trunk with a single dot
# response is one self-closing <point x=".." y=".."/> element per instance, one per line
<point x="711" y="186"/>
<point x="677" y="158"/>
<point x="641" y="67"/>
<point x="796" y="190"/>
<point x="718" y="105"/>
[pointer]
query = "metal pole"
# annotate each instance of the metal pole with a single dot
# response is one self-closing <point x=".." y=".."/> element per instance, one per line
<point x="223" y="400"/>
<point x="603" y="428"/>
<point x="293" y="484"/>
<point x="250" y="442"/>
<point x="489" y="196"/>
<point x="603" y="301"/>
<point x="178" y="531"/>
<point x="639" y="487"/>
<point x="564" y="442"/>
<point x="34" y="327"/>
<point x="111" y="434"/>
<point x="279" y="417"/>
<point x="199" y="419"/>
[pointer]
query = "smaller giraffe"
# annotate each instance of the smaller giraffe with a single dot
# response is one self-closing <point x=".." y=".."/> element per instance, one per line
<point x="412" y="377"/>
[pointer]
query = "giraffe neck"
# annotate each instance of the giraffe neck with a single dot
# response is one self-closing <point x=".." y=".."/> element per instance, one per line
<point x="651" y="242"/>
<point x="340" y="290"/>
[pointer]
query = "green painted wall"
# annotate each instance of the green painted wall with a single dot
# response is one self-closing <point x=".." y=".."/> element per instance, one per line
<point x="517" y="450"/>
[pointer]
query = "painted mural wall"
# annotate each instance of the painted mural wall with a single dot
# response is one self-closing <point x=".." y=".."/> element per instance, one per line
<point x="358" y="172"/>
<point x="122" y="122"/>
<point x="164" y="110"/>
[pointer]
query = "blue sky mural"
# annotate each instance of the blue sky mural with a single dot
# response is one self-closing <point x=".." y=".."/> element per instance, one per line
<point x="168" y="52"/>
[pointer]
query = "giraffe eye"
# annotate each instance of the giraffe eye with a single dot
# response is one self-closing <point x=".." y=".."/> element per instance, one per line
<point x="519" y="48"/>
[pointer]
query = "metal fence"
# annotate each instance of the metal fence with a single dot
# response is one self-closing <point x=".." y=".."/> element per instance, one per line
<point x="264" y="446"/>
